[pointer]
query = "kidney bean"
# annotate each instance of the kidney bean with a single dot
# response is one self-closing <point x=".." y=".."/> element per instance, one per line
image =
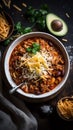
<point x="50" y="43"/>
<point x="62" y="72"/>
<point x="58" y="73"/>
<point x="52" y="87"/>
<point x="37" y="92"/>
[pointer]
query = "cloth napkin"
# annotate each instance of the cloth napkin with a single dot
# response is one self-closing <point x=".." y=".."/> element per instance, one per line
<point x="14" y="115"/>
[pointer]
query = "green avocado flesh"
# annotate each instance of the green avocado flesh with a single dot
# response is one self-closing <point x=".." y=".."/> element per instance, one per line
<point x="50" y="18"/>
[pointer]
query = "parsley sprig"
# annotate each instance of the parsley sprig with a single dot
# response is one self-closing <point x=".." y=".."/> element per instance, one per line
<point x="22" y="30"/>
<point x="18" y="30"/>
<point x="34" y="48"/>
<point x="37" y="15"/>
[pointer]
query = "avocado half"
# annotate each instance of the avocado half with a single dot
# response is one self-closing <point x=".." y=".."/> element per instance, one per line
<point x="50" y="18"/>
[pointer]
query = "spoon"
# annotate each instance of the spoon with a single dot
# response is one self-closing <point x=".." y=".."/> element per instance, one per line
<point x="12" y="90"/>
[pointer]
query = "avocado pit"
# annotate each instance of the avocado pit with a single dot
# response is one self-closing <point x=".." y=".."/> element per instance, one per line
<point x="57" y="25"/>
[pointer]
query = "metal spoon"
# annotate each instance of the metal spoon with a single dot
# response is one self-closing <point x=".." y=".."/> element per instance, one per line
<point x="12" y="90"/>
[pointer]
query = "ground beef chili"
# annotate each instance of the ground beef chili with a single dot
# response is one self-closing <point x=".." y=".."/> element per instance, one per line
<point x="42" y="71"/>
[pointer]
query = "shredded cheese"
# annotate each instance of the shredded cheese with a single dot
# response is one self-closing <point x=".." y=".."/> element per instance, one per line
<point x="67" y="15"/>
<point x="37" y="64"/>
<point x="4" y="27"/>
<point x="63" y="39"/>
<point x="16" y="7"/>
<point x="7" y="3"/>
<point x="24" y="4"/>
<point x="0" y="6"/>
<point x="66" y="108"/>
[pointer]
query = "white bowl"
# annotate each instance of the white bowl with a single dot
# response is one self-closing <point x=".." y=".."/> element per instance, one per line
<point x="32" y="97"/>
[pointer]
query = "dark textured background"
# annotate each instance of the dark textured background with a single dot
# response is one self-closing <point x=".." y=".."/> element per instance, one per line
<point x="60" y="8"/>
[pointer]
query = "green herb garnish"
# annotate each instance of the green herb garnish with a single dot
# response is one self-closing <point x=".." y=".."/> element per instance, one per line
<point x="22" y="30"/>
<point x="29" y="49"/>
<point x="8" y="41"/>
<point x="34" y="48"/>
<point x="18" y="30"/>
<point x="37" y="15"/>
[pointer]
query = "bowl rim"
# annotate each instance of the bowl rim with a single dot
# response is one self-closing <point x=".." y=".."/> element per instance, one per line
<point x="12" y="25"/>
<point x="32" y="96"/>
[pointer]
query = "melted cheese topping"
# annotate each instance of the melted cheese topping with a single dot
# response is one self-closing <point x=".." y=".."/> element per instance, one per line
<point x="37" y="63"/>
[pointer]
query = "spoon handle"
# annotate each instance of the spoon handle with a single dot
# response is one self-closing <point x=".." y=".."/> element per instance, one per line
<point x="12" y="90"/>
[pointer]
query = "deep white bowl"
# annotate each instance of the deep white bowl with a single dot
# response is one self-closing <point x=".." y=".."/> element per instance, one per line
<point x="32" y="97"/>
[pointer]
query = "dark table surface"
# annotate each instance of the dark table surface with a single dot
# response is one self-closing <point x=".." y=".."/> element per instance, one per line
<point x="60" y="8"/>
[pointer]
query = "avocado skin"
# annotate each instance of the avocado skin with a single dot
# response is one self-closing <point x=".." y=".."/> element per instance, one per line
<point x="49" y="18"/>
